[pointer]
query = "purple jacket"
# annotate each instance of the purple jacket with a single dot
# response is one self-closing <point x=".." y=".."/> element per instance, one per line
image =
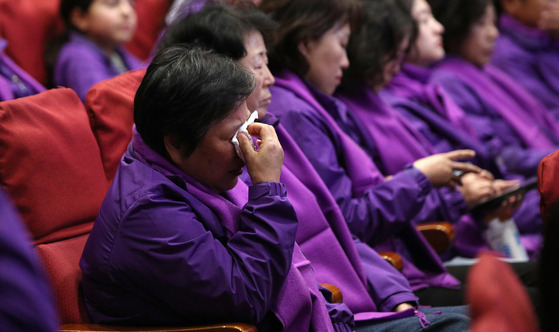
<point x="81" y="64"/>
<point x="515" y="127"/>
<point x="27" y="302"/>
<point x="422" y="267"/>
<point x="14" y="81"/>
<point x="531" y="57"/>
<point x="325" y="239"/>
<point x="374" y="209"/>
<point x="432" y="112"/>
<point x="165" y="250"/>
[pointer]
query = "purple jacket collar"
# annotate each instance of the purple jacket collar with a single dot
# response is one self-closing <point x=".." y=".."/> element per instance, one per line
<point x="397" y="142"/>
<point x="363" y="173"/>
<point x="300" y="303"/>
<point x="413" y="83"/>
<point x="130" y="61"/>
<point x="531" y="121"/>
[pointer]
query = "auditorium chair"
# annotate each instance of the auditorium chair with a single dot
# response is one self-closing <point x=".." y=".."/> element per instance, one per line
<point x="51" y="167"/>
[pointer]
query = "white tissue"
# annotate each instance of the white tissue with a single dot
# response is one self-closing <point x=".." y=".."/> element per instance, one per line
<point x="243" y="129"/>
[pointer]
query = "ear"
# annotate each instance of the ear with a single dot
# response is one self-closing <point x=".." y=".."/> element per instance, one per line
<point x="79" y="19"/>
<point x="304" y="46"/>
<point x="511" y="6"/>
<point x="173" y="150"/>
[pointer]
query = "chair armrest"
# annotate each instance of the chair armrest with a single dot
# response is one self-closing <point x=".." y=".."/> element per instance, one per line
<point x="393" y="258"/>
<point x="337" y="296"/>
<point x="440" y="235"/>
<point x="234" y="327"/>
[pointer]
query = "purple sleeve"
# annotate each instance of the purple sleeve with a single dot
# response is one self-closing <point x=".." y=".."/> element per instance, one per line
<point x="27" y="303"/>
<point x="492" y="130"/>
<point x="381" y="211"/>
<point x="388" y="287"/>
<point x="196" y="275"/>
<point x="527" y="68"/>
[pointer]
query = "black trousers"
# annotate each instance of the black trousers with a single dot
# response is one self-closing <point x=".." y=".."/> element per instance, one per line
<point x="527" y="272"/>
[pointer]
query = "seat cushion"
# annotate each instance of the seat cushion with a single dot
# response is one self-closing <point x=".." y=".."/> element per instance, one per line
<point x="498" y="301"/>
<point x="61" y="260"/>
<point x="28" y="25"/>
<point x="110" y="105"/>
<point x="50" y="164"/>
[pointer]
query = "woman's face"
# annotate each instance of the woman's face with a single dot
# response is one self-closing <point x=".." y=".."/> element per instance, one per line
<point x="478" y="46"/>
<point x="256" y="60"/>
<point x="327" y="58"/>
<point x="214" y="162"/>
<point x="428" y="47"/>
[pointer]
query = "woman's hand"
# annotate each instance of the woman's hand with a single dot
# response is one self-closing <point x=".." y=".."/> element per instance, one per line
<point x="402" y="307"/>
<point x="478" y="187"/>
<point x="439" y="168"/>
<point x="509" y="206"/>
<point x="264" y="164"/>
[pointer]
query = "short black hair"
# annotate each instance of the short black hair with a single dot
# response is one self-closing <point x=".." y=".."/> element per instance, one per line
<point x="301" y="20"/>
<point x="457" y="17"/>
<point x="187" y="89"/>
<point x="384" y="27"/>
<point x="219" y="27"/>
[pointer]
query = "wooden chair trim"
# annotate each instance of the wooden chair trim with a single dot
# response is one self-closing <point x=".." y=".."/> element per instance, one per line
<point x="439" y="234"/>
<point x="209" y="328"/>
<point x="393" y="258"/>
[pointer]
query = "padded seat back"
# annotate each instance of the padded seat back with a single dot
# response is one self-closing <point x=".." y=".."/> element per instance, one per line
<point x="110" y="105"/>
<point x="51" y="167"/>
<point x="28" y="25"/>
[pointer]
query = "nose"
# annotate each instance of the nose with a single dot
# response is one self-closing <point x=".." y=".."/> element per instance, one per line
<point x="269" y="79"/>
<point x="345" y="61"/>
<point x="493" y="32"/>
<point x="438" y="27"/>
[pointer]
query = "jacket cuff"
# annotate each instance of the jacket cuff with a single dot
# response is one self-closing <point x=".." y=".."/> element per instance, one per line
<point x="266" y="189"/>
<point x="398" y="298"/>
<point x="423" y="182"/>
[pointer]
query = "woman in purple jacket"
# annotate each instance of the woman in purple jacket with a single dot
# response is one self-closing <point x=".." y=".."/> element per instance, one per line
<point x="90" y="49"/>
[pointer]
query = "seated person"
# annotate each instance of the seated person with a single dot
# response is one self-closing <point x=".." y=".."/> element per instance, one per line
<point x="14" y="81"/>
<point x="27" y="301"/>
<point x="90" y="49"/>
<point x="179" y="240"/>
<point x="528" y="47"/>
